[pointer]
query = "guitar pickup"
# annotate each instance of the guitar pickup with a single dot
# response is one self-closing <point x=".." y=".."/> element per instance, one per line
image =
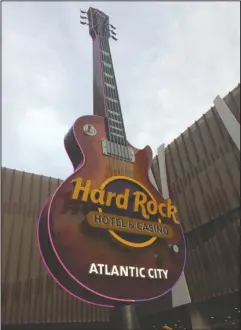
<point x="116" y="150"/>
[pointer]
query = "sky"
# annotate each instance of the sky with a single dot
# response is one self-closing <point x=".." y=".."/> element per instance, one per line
<point x="171" y="60"/>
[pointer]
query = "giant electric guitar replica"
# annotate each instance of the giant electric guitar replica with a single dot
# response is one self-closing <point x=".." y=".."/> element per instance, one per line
<point x="106" y="235"/>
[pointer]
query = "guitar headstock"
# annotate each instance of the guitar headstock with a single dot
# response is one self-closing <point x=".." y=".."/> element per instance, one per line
<point x="98" y="23"/>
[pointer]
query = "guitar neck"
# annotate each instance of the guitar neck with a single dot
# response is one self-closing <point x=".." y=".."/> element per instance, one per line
<point x="106" y="97"/>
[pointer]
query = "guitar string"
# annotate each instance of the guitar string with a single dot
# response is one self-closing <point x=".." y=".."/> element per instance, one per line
<point x="108" y="90"/>
<point x="118" y="110"/>
<point x="119" y="166"/>
<point x="116" y="139"/>
<point x="103" y="79"/>
<point x="116" y="106"/>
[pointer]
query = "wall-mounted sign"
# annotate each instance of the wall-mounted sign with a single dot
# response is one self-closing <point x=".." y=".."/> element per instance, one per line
<point x="107" y="235"/>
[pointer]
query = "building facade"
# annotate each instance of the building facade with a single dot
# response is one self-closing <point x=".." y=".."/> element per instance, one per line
<point x="200" y="171"/>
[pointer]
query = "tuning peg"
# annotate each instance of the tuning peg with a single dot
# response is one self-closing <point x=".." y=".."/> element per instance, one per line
<point x="113" y="32"/>
<point x="113" y="27"/>
<point x="83" y="12"/>
<point x="84" y="23"/>
<point x="114" y="38"/>
<point x="83" y="17"/>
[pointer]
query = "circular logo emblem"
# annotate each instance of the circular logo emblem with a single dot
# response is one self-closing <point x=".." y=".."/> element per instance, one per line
<point x="89" y="130"/>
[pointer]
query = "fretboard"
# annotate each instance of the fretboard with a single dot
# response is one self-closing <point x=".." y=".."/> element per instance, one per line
<point x="115" y="123"/>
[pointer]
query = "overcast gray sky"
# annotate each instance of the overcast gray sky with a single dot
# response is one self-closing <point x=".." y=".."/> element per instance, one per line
<point x="171" y="60"/>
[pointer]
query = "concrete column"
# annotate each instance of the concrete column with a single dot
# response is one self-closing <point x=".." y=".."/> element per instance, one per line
<point x="180" y="292"/>
<point x="228" y="119"/>
<point x="163" y="173"/>
<point x="197" y="319"/>
<point x="152" y="179"/>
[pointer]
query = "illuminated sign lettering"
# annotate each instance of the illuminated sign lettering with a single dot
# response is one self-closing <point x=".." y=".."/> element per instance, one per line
<point x="129" y="225"/>
<point x="139" y="202"/>
<point x="83" y="192"/>
<point x="128" y="271"/>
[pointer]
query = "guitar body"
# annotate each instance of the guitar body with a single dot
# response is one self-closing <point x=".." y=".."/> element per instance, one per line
<point x="69" y="245"/>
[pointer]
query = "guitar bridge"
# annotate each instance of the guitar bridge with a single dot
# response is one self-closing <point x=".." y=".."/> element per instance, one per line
<point x="118" y="151"/>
